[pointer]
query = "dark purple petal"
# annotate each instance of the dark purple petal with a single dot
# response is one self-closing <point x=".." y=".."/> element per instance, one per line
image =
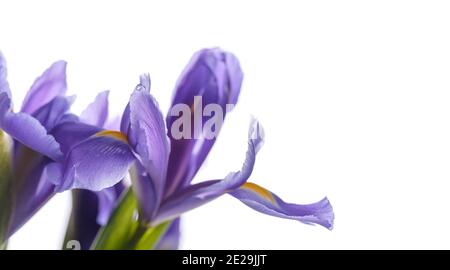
<point x="96" y="113"/>
<point x="264" y="201"/>
<point x="90" y="211"/>
<point x="171" y="239"/>
<point x="196" y="195"/>
<point x="147" y="135"/>
<point x="98" y="162"/>
<point x="31" y="188"/>
<point x="83" y="226"/>
<point x="216" y="76"/>
<point x="4" y="86"/>
<point x="27" y="130"/>
<point x="50" y="84"/>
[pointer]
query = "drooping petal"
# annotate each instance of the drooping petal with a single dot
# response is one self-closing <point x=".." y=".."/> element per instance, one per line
<point x="215" y="76"/>
<point x="171" y="239"/>
<point x="96" y="113"/>
<point x="196" y="195"/>
<point x="50" y="84"/>
<point x="264" y="201"/>
<point x="4" y="86"/>
<point x="27" y="130"/>
<point x="148" y="138"/>
<point x="96" y="163"/>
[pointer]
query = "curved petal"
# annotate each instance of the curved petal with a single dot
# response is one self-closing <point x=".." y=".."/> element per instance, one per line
<point x="96" y="113"/>
<point x="148" y="138"/>
<point x="199" y="194"/>
<point x="70" y="133"/>
<point x="264" y="201"/>
<point x="98" y="162"/>
<point x="215" y="76"/>
<point x="50" y="84"/>
<point x="4" y="86"/>
<point x="29" y="131"/>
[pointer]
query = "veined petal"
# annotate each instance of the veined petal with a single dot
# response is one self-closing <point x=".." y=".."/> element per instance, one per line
<point x="28" y="130"/>
<point x="196" y="195"/>
<point x="4" y="86"/>
<point x="264" y="201"/>
<point x="216" y="76"/>
<point x="148" y="137"/>
<point x="96" y="113"/>
<point x="50" y="84"/>
<point x="98" y="162"/>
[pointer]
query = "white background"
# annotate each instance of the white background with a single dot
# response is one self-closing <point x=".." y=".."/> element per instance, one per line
<point x="354" y="97"/>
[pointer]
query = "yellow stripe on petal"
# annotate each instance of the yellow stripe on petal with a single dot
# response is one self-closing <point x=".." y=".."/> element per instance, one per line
<point x="260" y="191"/>
<point x="113" y="134"/>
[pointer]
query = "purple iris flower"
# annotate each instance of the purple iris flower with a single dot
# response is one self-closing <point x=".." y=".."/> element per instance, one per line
<point x="91" y="210"/>
<point x="33" y="147"/>
<point x="161" y="166"/>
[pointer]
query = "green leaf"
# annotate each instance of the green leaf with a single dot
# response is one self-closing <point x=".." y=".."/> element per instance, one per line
<point x="124" y="230"/>
<point x="122" y="225"/>
<point x="5" y="186"/>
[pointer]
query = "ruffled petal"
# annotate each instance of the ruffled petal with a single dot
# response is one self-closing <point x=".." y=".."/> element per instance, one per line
<point x="148" y="138"/>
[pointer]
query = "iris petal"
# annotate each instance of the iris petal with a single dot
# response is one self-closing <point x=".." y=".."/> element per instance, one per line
<point x="96" y="113"/>
<point x="28" y="130"/>
<point x="147" y="135"/>
<point x="216" y="76"/>
<point x="4" y="86"/>
<point x="201" y="193"/>
<point x="264" y="201"/>
<point x="98" y="162"/>
<point x="50" y="84"/>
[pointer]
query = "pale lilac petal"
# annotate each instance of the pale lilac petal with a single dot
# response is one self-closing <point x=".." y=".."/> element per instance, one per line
<point x="4" y="86"/>
<point x="96" y="113"/>
<point x="50" y="84"/>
